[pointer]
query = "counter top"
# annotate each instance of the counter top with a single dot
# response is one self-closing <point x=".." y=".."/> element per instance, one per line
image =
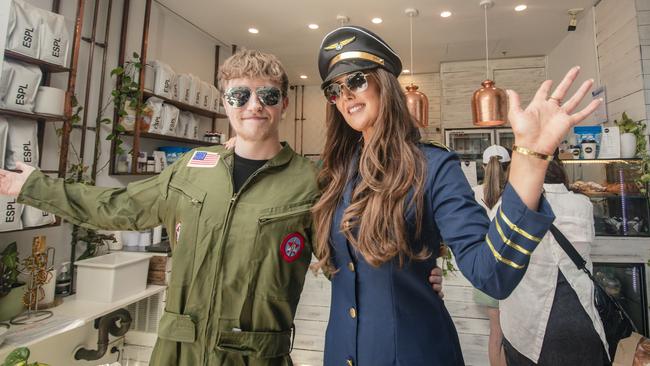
<point x="71" y="314"/>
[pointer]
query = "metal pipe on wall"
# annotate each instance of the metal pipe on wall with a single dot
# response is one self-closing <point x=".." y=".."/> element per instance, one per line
<point x="118" y="82"/>
<point x="89" y="73"/>
<point x="72" y="79"/>
<point x="295" y="116"/>
<point x="143" y="61"/>
<point x="97" y="150"/>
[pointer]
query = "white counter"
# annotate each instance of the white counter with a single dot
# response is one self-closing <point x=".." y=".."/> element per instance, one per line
<point x="71" y="314"/>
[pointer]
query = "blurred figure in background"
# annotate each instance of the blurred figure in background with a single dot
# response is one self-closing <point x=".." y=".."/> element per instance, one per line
<point x="550" y="318"/>
<point x="496" y="161"/>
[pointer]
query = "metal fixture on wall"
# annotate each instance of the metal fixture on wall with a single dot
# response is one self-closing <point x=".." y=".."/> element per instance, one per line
<point x="489" y="103"/>
<point x="416" y="101"/>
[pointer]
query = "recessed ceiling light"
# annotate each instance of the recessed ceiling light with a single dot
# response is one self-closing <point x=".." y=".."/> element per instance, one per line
<point x="313" y="26"/>
<point x="377" y="20"/>
<point x="303" y="76"/>
<point x="253" y="30"/>
<point x="521" y="7"/>
<point x="445" y="14"/>
<point x="406" y="71"/>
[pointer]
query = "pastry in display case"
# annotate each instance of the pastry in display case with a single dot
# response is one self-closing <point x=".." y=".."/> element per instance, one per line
<point x="620" y="208"/>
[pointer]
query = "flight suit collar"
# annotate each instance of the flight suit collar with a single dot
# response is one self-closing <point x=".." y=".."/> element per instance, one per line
<point x="281" y="158"/>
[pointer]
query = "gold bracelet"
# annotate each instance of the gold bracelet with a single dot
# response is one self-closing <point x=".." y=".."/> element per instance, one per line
<point x="529" y="152"/>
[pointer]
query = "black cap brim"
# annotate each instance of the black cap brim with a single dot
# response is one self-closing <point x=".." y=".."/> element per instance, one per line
<point x="345" y="67"/>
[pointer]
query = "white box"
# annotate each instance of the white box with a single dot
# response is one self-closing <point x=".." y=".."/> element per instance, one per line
<point x="111" y="277"/>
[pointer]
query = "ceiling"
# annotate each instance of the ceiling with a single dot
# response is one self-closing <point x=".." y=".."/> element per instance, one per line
<point x="283" y="27"/>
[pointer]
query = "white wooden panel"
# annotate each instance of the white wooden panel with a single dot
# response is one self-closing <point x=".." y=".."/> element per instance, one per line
<point x="524" y="82"/>
<point x="611" y="14"/>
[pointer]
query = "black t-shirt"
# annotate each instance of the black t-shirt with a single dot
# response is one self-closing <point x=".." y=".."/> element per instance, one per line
<point x="244" y="168"/>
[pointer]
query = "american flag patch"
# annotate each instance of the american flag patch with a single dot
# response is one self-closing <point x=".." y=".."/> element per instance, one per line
<point x="204" y="159"/>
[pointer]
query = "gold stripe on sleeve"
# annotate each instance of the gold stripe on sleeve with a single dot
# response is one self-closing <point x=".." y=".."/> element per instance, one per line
<point x="517" y="229"/>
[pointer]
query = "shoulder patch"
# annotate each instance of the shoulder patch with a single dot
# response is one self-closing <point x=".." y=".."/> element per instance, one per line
<point x="437" y="144"/>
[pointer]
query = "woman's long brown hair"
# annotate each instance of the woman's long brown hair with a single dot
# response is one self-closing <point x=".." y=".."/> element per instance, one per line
<point x="494" y="182"/>
<point x="390" y="166"/>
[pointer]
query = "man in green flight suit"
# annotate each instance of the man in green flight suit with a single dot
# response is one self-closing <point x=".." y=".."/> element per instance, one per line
<point x="239" y="223"/>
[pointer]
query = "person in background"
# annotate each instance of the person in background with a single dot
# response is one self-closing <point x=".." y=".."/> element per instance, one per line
<point x="496" y="161"/>
<point x="389" y="200"/>
<point x="550" y="317"/>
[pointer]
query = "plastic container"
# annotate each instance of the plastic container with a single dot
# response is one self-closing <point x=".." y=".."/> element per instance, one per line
<point x="172" y="153"/>
<point x="111" y="277"/>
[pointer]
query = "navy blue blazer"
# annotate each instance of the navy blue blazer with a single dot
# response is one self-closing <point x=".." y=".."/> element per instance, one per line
<point x="388" y="315"/>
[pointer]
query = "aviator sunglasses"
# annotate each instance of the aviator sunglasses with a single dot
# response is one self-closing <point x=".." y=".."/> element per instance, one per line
<point x="356" y="83"/>
<point x="238" y="96"/>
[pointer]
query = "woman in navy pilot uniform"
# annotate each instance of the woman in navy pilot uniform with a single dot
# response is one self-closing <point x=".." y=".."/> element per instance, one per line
<point x="389" y="200"/>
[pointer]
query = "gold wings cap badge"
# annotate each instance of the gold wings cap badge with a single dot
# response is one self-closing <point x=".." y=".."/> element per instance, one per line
<point x="339" y="45"/>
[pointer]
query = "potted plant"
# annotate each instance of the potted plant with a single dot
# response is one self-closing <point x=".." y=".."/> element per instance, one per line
<point x="11" y="290"/>
<point x="636" y="129"/>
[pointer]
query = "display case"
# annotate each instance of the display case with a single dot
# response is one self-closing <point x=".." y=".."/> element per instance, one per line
<point x="469" y="144"/>
<point x="626" y="283"/>
<point x="620" y="207"/>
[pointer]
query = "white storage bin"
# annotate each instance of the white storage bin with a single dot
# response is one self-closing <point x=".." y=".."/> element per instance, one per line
<point x="111" y="277"/>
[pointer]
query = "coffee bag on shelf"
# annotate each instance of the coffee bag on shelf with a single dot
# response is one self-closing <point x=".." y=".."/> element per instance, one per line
<point x="170" y="119"/>
<point x="216" y="98"/>
<point x="54" y="38"/>
<point x="32" y="217"/>
<point x="164" y="79"/>
<point x="21" y="91"/>
<point x="184" y="85"/>
<point x="206" y="96"/>
<point x="10" y="213"/>
<point x="22" y="143"/>
<point x="156" y="105"/>
<point x="195" y="91"/>
<point x="4" y="130"/>
<point x="23" y="29"/>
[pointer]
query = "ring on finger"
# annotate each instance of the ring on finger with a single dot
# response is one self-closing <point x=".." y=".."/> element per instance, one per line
<point x="556" y="100"/>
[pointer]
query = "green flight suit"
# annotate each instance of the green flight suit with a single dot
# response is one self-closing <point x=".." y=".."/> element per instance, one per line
<point x="239" y="260"/>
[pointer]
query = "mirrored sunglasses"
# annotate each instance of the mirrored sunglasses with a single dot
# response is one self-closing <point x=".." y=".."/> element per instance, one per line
<point x="238" y="96"/>
<point x="355" y="82"/>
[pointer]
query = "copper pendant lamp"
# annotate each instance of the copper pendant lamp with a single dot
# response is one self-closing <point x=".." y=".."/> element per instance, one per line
<point x="489" y="103"/>
<point x="416" y="102"/>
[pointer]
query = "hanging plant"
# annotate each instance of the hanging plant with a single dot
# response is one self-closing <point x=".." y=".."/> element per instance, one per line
<point x="126" y="99"/>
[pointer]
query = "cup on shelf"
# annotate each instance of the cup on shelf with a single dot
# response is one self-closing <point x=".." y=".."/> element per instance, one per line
<point x="588" y="148"/>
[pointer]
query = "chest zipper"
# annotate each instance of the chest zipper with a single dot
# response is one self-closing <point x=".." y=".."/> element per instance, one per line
<point x="224" y="234"/>
<point x="280" y="217"/>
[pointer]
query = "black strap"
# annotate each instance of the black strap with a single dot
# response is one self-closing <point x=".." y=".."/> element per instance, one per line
<point x="568" y="248"/>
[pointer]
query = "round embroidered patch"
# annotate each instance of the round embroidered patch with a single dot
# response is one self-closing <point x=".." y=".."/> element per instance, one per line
<point x="291" y="247"/>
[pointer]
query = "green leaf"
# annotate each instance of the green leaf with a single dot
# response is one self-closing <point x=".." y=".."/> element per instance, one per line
<point x="19" y="356"/>
<point x="135" y="55"/>
<point x="106" y="120"/>
<point x="117" y="71"/>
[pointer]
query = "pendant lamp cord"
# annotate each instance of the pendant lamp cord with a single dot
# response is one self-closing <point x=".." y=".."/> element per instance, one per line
<point x="411" y="21"/>
<point x="487" y="65"/>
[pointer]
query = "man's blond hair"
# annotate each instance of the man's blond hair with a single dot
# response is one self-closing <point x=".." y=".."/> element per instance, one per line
<point x="253" y="64"/>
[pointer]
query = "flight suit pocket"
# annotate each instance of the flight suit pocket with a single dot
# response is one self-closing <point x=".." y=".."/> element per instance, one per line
<point x="186" y="203"/>
<point x="283" y="249"/>
<point x="177" y="327"/>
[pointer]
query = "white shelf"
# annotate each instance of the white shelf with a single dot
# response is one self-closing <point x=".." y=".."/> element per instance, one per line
<point x="82" y="312"/>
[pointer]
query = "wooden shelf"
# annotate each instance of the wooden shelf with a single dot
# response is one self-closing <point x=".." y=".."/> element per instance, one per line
<point x="601" y="161"/>
<point x="155" y="136"/>
<point x="34" y="116"/>
<point x="49" y="67"/>
<point x="185" y="107"/>
<point x="57" y="223"/>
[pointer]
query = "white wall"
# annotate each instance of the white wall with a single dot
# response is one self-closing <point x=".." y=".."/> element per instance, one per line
<point x="577" y="48"/>
<point x="619" y="57"/>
